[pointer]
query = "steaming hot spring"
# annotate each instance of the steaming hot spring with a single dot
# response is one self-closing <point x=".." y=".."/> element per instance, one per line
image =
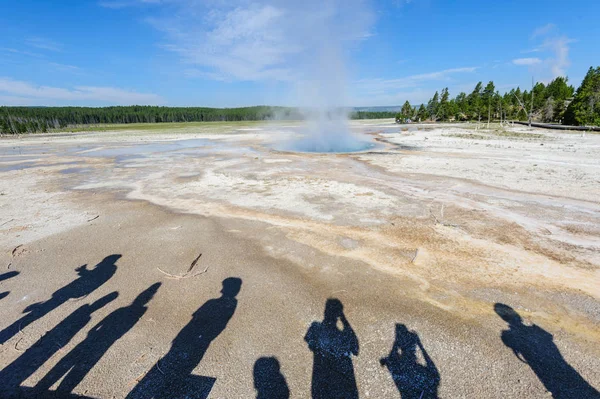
<point x="326" y="131"/>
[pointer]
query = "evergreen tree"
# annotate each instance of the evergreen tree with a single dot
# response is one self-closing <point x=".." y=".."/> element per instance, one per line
<point x="585" y="107"/>
<point x="462" y="107"/>
<point x="561" y="93"/>
<point x="433" y="105"/>
<point x="422" y="113"/>
<point x="444" y="111"/>
<point x="486" y="100"/>
<point x="474" y="100"/>
<point x="539" y="97"/>
<point x="405" y="113"/>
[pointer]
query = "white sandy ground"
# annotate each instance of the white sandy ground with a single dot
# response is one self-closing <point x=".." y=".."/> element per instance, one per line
<point x="460" y="218"/>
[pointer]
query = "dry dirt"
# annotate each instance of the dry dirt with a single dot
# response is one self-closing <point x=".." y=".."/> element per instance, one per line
<point x="430" y="230"/>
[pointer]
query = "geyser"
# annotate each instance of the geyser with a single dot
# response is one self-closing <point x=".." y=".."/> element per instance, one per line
<point x="326" y="130"/>
<point x="322" y="82"/>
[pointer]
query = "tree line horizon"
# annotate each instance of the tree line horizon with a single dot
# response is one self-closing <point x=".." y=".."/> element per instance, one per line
<point x="556" y="102"/>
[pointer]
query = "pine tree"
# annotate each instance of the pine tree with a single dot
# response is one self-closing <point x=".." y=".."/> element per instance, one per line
<point x="474" y="100"/>
<point x="585" y="107"/>
<point x="561" y="93"/>
<point x="443" y="108"/>
<point x="432" y="106"/>
<point x="422" y="113"/>
<point x="486" y="97"/>
<point x="407" y="110"/>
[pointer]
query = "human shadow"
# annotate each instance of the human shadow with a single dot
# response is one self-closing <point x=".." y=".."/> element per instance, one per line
<point x="269" y="382"/>
<point x="13" y="375"/>
<point x="76" y="364"/>
<point x="27" y="392"/>
<point x="171" y="376"/>
<point x="535" y="347"/>
<point x="414" y="379"/>
<point x="87" y="282"/>
<point x="7" y="275"/>
<point x="332" y="347"/>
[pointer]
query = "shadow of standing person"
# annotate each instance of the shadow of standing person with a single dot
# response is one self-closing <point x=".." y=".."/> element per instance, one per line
<point x="77" y="363"/>
<point x="413" y="379"/>
<point x="332" y="347"/>
<point x="535" y="347"/>
<point x="268" y="380"/>
<point x="88" y="281"/>
<point x="13" y="375"/>
<point x="6" y="276"/>
<point x="171" y="376"/>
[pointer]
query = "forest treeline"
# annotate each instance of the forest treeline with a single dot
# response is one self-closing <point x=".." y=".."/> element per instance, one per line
<point x="18" y="120"/>
<point x="556" y="102"/>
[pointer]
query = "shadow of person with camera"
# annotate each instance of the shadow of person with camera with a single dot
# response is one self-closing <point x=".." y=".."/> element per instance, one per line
<point x="414" y="379"/>
<point x="333" y="343"/>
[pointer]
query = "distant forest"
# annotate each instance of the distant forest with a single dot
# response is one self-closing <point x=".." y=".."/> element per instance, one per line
<point x="556" y="102"/>
<point x="19" y="120"/>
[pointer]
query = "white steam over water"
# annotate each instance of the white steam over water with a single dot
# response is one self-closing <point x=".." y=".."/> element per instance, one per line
<point x="304" y="45"/>
<point x="322" y="92"/>
<point x="322" y="83"/>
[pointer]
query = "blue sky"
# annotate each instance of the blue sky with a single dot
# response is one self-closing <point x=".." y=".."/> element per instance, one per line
<point x="283" y="52"/>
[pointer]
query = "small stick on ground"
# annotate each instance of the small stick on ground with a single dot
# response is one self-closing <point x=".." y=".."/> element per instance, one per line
<point x="158" y="366"/>
<point x="168" y="274"/>
<point x="186" y="274"/>
<point x="94" y="218"/>
<point x="435" y="217"/>
<point x="176" y="277"/>
<point x="194" y="263"/>
<point x="415" y="257"/>
<point x="138" y="378"/>
<point x="142" y="374"/>
<point x="8" y="221"/>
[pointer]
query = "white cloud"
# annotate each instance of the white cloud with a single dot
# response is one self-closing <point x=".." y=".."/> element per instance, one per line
<point x="64" y="67"/>
<point x="116" y="4"/>
<point x="21" y="52"/>
<point x="526" y="61"/>
<point x="543" y="30"/>
<point x="553" y="49"/>
<point x="276" y="40"/>
<point x="533" y="50"/>
<point x="15" y="92"/>
<point x="415" y="96"/>
<point x="414" y="88"/>
<point x="559" y="61"/>
<point x="43" y="44"/>
<point x="380" y="85"/>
